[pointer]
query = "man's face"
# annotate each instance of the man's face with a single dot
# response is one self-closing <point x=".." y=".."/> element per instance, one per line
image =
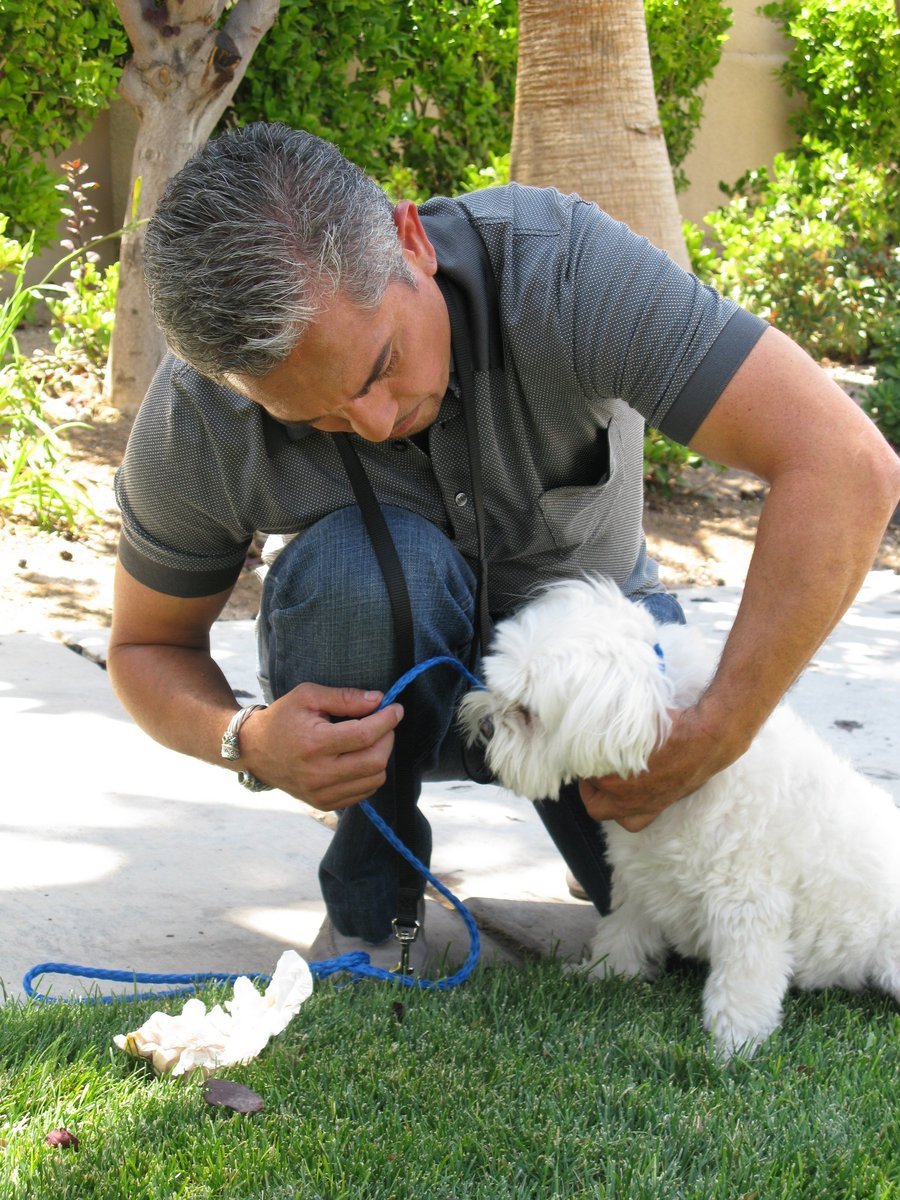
<point x="378" y="373"/>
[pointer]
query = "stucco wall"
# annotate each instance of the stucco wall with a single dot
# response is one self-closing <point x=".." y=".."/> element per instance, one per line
<point x="745" y="113"/>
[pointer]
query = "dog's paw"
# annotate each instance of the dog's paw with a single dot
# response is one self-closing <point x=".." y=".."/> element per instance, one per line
<point x="730" y="1044"/>
<point x="605" y="967"/>
<point x="736" y="1038"/>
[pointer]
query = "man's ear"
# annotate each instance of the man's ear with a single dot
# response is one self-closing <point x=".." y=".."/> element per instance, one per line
<point x="413" y="238"/>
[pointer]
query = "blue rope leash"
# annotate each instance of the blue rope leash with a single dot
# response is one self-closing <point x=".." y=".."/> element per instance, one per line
<point x="356" y="963"/>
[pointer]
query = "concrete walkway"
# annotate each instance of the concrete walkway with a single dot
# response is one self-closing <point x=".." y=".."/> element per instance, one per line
<point x="115" y="852"/>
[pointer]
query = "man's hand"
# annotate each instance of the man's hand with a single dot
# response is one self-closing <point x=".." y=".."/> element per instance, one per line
<point x="690" y="755"/>
<point x="296" y="745"/>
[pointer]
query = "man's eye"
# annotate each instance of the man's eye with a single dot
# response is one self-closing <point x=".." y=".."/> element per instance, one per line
<point x="389" y="367"/>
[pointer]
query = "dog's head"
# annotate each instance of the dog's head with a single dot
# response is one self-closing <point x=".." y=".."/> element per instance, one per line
<point x="574" y="688"/>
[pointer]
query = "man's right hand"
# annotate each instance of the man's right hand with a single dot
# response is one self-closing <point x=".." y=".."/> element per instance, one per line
<point x="326" y="746"/>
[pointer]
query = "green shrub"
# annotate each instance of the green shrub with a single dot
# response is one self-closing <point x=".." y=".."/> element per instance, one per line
<point x="813" y="244"/>
<point x="413" y="92"/>
<point x="60" y="67"/>
<point x="35" y="483"/>
<point x="686" y="39"/>
<point x="882" y="401"/>
<point x="416" y="92"/>
<point x="493" y="174"/>
<point x="811" y="247"/>
<point x="845" y="61"/>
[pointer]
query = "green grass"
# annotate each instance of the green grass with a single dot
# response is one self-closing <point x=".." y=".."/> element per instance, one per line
<point x="520" y="1084"/>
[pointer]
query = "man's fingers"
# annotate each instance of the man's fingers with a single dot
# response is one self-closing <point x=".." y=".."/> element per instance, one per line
<point x="337" y="702"/>
<point x="348" y="737"/>
<point x="636" y="824"/>
<point x="346" y="795"/>
<point x="310" y="743"/>
<point x="603" y="805"/>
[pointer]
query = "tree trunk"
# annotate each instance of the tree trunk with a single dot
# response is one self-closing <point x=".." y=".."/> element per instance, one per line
<point x="586" y="118"/>
<point x="181" y="77"/>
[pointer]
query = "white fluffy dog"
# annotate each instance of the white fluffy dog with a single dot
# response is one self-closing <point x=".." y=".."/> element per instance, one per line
<point x="783" y="868"/>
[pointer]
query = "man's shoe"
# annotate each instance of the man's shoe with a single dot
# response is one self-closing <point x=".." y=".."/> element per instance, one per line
<point x="575" y="888"/>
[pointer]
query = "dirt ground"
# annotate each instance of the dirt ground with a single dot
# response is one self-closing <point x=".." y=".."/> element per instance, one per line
<point x="702" y="535"/>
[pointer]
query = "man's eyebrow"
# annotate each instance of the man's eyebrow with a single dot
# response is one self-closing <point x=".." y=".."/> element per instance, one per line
<point x="380" y="363"/>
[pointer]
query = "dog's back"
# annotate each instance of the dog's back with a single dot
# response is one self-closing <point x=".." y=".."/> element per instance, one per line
<point x="790" y="834"/>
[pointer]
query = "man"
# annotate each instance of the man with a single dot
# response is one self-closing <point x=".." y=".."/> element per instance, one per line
<point x="301" y="304"/>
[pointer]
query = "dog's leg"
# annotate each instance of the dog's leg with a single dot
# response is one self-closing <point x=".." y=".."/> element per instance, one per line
<point x="887" y="975"/>
<point x="627" y="943"/>
<point x="750" y="968"/>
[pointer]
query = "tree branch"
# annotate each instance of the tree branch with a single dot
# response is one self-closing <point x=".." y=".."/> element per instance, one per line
<point x="131" y="14"/>
<point x="249" y="20"/>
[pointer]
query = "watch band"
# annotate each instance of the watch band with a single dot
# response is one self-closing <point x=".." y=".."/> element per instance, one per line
<point x="230" y="748"/>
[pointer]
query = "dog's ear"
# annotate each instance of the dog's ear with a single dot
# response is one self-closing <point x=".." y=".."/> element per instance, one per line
<point x="616" y="718"/>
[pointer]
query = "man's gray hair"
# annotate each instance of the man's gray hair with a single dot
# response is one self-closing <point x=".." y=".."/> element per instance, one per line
<point x="253" y="238"/>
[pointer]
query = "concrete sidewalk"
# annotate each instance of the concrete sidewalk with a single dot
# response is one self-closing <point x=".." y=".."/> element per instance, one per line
<point x="117" y="853"/>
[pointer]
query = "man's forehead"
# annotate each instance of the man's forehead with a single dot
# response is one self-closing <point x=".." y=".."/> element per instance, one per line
<point x="342" y="352"/>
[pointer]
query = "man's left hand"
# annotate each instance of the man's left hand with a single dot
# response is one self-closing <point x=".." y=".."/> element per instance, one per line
<point x="690" y="755"/>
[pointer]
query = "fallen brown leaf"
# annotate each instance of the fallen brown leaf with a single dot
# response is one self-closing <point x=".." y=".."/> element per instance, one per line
<point x="222" y="1093"/>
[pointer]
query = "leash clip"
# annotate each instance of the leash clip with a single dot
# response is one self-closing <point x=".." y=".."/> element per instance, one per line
<point x="406" y="933"/>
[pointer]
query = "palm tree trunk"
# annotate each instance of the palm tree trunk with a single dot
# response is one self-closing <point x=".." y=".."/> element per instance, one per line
<point x="586" y="118"/>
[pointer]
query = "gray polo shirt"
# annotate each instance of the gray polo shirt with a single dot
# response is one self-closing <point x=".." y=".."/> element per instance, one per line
<point x="582" y="332"/>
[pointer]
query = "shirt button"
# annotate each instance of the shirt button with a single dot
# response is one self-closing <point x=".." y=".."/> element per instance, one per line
<point x="461" y="499"/>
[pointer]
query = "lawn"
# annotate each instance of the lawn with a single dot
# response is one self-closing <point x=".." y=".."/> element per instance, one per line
<point x="519" y="1084"/>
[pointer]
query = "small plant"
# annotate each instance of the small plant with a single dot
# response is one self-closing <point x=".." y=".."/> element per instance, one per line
<point x="12" y="253"/>
<point x="35" y="483"/>
<point x="493" y="174"/>
<point x="665" y="461"/>
<point x="84" y="307"/>
<point x="34" y="480"/>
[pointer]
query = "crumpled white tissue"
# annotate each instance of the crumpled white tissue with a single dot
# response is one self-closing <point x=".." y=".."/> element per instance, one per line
<point x="208" y="1040"/>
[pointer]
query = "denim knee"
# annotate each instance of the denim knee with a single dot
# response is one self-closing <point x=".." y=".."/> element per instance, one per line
<point x="326" y="617"/>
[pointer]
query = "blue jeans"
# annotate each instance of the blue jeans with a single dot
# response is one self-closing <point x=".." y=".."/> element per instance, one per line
<point x="325" y="618"/>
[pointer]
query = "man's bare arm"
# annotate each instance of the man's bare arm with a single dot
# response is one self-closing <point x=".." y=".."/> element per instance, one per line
<point x="162" y="671"/>
<point x="833" y="484"/>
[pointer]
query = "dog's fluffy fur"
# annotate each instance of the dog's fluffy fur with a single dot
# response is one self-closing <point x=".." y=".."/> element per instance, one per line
<point x="783" y="868"/>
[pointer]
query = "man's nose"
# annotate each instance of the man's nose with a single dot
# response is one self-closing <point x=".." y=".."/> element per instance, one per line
<point x="372" y="416"/>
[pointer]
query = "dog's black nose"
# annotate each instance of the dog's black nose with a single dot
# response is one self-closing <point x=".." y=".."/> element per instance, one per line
<point x="486" y="728"/>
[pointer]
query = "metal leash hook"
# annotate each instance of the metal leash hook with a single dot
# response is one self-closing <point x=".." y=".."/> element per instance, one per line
<point x="406" y="934"/>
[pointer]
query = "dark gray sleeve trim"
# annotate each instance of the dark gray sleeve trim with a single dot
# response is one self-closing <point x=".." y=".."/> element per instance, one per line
<point x="187" y="585"/>
<point x="741" y="333"/>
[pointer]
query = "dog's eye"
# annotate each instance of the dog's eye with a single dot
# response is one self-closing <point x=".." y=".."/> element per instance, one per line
<point x="486" y="728"/>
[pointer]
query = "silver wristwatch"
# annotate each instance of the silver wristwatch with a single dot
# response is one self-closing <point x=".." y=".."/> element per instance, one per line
<point x="231" y="748"/>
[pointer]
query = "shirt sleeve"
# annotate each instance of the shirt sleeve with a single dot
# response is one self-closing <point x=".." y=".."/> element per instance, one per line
<point x="645" y="330"/>
<point x="176" y="534"/>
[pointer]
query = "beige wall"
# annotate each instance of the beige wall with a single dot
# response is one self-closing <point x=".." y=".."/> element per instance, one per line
<point x="745" y="113"/>
<point x="745" y="124"/>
